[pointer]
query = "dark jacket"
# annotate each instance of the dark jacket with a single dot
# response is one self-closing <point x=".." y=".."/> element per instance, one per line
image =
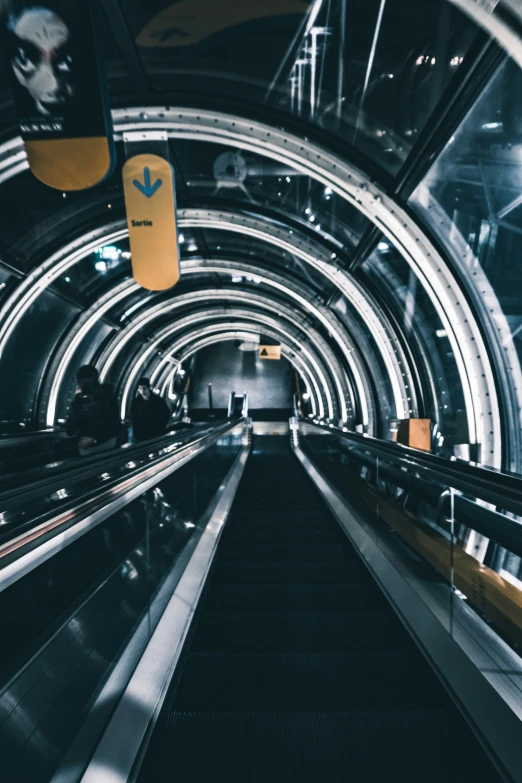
<point x="94" y="414"/>
<point x="149" y="417"/>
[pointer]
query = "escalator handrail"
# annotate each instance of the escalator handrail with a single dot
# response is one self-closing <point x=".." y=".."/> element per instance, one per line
<point x="92" y="507"/>
<point x="501" y="489"/>
<point x="491" y="524"/>
<point x="83" y="468"/>
<point x="16" y="438"/>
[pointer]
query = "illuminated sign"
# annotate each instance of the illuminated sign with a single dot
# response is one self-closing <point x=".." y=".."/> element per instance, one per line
<point x="56" y="79"/>
<point x="150" y="202"/>
<point x="188" y="22"/>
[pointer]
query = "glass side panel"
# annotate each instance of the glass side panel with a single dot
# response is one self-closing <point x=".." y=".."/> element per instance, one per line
<point x="470" y="199"/>
<point x="461" y="554"/>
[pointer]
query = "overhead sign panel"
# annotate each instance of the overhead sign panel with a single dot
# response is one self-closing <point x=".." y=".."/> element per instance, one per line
<point x="150" y="202"/>
<point x="60" y="101"/>
<point x="270" y="352"/>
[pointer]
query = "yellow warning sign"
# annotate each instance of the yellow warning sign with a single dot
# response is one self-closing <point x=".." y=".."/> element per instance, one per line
<point x="150" y="202"/>
<point x="270" y="352"/>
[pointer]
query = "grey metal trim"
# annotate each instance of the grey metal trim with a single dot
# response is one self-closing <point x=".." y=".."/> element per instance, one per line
<point x="493" y="721"/>
<point x="26" y="563"/>
<point x="133" y="720"/>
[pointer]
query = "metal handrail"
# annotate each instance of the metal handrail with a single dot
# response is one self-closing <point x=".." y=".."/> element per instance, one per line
<point x="501" y="489"/>
<point x="40" y="540"/>
<point x="23" y="436"/>
<point x="38" y="482"/>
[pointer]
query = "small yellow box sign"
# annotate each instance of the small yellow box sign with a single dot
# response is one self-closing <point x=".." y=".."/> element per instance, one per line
<point x="150" y="202"/>
<point x="270" y="352"/>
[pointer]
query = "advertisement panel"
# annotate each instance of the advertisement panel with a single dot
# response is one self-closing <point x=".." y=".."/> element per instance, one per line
<point x="52" y="59"/>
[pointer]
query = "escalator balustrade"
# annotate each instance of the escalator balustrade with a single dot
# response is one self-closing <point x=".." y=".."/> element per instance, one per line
<point x="298" y="669"/>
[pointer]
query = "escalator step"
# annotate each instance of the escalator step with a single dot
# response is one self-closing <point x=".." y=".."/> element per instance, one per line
<point x="288" y="522"/>
<point x="359" y="747"/>
<point x="284" y="572"/>
<point x="267" y="537"/>
<point x="306" y="682"/>
<point x="305" y="632"/>
<point x="294" y="598"/>
<point x="287" y="551"/>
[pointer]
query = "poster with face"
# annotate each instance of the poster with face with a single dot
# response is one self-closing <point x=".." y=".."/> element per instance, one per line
<point x="53" y="64"/>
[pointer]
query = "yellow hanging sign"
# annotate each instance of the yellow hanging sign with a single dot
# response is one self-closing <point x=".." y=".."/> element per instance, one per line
<point x="150" y="202"/>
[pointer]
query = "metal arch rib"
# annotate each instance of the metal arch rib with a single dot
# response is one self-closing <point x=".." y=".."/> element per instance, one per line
<point x="280" y="237"/>
<point x="90" y="317"/>
<point x="116" y="346"/>
<point x="58" y="263"/>
<point x="356" y="367"/>
<point x="311" y="382"/>
<point x="74" y="339"/>
<point x="353" y="185"/>
<point x="194" y="266"/>
<point x="247" y="332"/>
<point x="150" y="352"/>
<point x="304" y="335"/>
<point x="485" y="298"/>
<point x="276" y="331"/>
<point x="311" y="340"/>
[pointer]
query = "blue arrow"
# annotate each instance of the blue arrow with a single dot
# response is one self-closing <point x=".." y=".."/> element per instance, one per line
<point x="148" y="189"/>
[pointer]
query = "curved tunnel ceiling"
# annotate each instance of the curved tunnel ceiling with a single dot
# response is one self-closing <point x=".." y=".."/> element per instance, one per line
<point x="342" y="357"/>
<point x="350" y="184"/>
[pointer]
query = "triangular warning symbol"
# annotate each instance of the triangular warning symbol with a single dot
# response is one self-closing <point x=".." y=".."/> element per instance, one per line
<point x="264" y="352"/>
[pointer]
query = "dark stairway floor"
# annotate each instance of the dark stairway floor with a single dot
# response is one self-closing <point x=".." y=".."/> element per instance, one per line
<point x="298" y="669"/>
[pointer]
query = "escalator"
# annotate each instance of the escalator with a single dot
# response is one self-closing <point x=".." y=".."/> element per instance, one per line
<point x="298" y="669"/>
<point x="83" y="592"/>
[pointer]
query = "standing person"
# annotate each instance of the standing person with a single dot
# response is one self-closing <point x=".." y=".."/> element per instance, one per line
<point x="150" y="413"/>
<point x="94" y="417"/>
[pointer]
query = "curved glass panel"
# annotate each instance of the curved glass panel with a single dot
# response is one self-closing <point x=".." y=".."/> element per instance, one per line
<point x="471" y="200"/>
<point x="370" y="71"/>
<point x="234" y="176"/>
